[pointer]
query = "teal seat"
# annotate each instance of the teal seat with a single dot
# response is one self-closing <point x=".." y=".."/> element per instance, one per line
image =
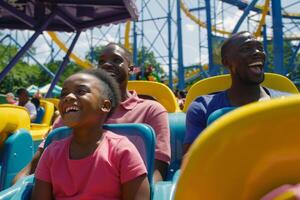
<point x="177" y="132"/>
<point x="39" y="116"/>
<point x="19" y="191"/>
<point x="15" y="154"/>
<point x="219" y="113"/>
<point x="166" y="189"/>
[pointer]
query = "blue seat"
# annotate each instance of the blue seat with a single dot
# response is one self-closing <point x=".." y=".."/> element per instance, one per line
<point x="177" y="132"/>
<point x="39" y="116"/>
<point x="15" y="153"/>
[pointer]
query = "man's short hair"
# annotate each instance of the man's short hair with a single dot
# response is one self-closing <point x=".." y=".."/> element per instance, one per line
<point x="228" y="43"/>
<point x="127" y="52"/>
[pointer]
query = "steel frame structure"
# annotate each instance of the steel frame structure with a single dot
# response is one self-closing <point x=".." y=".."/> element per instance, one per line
<point x="169" y="34"/>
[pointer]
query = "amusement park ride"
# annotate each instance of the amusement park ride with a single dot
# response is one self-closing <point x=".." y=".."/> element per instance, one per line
<point x="158" y="27"/>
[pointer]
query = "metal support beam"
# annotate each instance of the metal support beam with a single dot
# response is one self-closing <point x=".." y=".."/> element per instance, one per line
<point x="197" y="9"/>
<point x="211" y="67"/>
<point x="33" y="58"/>
<point x="62" y="65"/>
<point x="135" y="50"/>
<point x="27" y="46"/>
<point x="170" y="44"/>
<point x="277" y="37"/>
<point x="245" y="13"/>
<point x="181" y="83"/>
<point x="265" y="45"/>
<point x="293" y="58"/>
<point x="2" y="39"/>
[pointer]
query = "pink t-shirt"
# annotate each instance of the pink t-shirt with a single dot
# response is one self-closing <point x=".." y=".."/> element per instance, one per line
<point x="137" y="110"/>
<point x="98" y="176"/>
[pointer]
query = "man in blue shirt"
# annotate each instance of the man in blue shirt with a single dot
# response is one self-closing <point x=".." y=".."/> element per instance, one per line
<point x="244" y="56"/>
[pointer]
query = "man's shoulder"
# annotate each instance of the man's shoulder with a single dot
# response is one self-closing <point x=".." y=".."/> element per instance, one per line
<point x="146" y="103"/>
<point x="211" y="98"/>
<point x="209" y="102"/>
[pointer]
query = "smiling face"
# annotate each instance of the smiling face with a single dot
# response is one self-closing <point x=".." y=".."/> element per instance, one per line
<point x="116" y="62"/>
<point x="82" y="102"/>
<point x="245" y="59"/>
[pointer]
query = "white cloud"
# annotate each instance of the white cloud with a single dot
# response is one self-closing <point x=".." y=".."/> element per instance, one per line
<point x="190" y="27"/>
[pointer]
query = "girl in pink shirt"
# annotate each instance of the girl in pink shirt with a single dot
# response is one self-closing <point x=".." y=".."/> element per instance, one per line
<point x="92" y="163"/>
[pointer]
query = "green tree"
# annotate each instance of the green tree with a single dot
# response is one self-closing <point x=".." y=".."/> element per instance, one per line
<point x="149" y="60"/>
<point x="22" y="75"/>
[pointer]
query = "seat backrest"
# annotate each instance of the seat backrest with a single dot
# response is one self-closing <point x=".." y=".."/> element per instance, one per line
<point x="223" y="82"/>
<point x="159" y="91"/>
<point x="49" y="111"/>
<point x="218" y="113"/>
<point x="16" y="153"/>
<point x="19" y="191"/>
<point x="177" y="132"/>
<point x="39" y="116"/>
<point x="141" y="135"/>
<point x="16" y="142"/>
<point x="54" y="101"/>
<point x="245" y="154"/>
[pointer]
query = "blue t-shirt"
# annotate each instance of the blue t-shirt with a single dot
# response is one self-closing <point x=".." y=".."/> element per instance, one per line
<point x="203" y="106"/>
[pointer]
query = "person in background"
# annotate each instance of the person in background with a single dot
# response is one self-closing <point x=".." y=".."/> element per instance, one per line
<point x="24" y="101"/>
<point x="10" y="98"/>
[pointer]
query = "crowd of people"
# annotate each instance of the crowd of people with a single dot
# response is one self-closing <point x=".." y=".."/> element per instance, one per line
<point x="94" y="163"/>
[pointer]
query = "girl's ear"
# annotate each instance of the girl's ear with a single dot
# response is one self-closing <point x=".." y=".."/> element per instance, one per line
<point x="106" y="106"/>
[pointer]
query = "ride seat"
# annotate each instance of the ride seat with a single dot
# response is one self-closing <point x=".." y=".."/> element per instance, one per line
<point x="223" y="82"/>
<point x="245" y="154"/>
<point x="177" y="133"/>
<point x="15" y="144"/>
<point x="39" y="116"/>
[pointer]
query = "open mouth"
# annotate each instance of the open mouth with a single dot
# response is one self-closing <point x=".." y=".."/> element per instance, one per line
<point x="256" y="64"/>
<point x="71" y="109"/>
<point x="256" y="67"/>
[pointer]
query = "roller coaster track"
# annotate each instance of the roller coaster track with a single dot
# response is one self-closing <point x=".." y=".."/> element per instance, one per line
<point x="241" y="5"/>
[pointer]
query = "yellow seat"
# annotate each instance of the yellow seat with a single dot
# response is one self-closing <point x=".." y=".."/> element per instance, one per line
<point x="38" y="131"/>
<point x="223" y="82"/>
<point x="159" y="91"/>
<point x="49" y="111"/>
<point x="12" y="118"/>
<point x="245" y="154"/>
<point x="54" y="101"/>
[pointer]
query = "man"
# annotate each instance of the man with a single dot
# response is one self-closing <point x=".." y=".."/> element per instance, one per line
<point x="24" y="101"/>
<point x="117" y="62"/>
<point x="244" y="56"/>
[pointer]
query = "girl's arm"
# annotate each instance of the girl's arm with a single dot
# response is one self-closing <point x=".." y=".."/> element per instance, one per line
<point x="136" y="189"/>
<point x="42" y="190"/>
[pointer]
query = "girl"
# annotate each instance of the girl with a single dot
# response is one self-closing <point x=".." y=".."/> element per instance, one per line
<point x="92" y="163"/>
